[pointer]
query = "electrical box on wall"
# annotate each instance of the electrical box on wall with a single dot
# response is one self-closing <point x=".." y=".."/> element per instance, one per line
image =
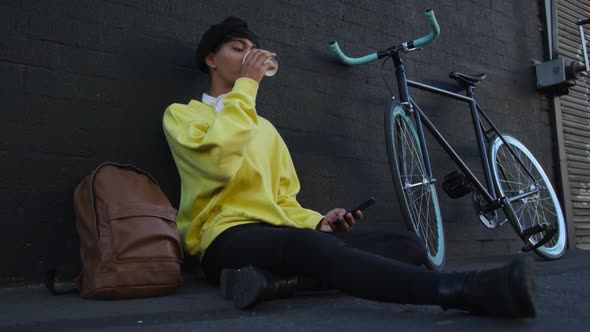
<point x="557" y="76"/>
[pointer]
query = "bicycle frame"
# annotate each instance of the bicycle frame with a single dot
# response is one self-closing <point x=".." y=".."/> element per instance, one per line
<point x="488" y="191"/>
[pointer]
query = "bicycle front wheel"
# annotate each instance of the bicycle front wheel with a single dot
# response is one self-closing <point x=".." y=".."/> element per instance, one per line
<point x="542" y="207"/>
<point x="415" y="191"/>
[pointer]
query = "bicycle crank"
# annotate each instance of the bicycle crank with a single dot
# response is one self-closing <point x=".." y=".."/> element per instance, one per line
<point x="549" y="230"/>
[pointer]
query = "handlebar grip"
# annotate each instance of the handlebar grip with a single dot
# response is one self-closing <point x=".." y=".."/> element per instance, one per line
<point x="435" y="30"/>
<point x="351" y="61"/>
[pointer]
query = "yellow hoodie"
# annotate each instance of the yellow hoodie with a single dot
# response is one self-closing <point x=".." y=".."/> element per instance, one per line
<point x="234" y="169"/>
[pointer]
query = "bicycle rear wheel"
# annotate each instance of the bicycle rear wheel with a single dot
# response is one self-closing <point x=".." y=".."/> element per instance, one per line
<point x="542" y="207"/>
<point x="415" y="191"/>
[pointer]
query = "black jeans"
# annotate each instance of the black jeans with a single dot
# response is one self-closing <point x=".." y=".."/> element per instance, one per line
<point x="382" y="266"/>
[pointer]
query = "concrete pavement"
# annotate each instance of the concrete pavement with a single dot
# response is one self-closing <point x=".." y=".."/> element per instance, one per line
<point x="563" y="304"/>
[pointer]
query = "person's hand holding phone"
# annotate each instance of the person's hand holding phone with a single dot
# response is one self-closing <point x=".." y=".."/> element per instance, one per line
<point x="336" y="221"/>
<point x="341" y="220"/>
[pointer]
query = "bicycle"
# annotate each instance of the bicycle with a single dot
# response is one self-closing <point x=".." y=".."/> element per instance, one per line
<point x="514" y="181"/>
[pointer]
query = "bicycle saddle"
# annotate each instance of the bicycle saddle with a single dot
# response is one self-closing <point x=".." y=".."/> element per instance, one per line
<point x="466" y="79"/>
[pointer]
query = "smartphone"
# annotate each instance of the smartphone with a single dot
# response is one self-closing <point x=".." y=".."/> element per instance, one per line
<point x="360" y="207"/>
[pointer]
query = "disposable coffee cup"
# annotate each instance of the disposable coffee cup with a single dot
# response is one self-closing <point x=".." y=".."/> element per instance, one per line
<point x="272" y="70"/>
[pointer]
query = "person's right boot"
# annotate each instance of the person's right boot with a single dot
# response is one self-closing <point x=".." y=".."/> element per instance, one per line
<point x="507" y="291"/>
<point x="249" y="286"/>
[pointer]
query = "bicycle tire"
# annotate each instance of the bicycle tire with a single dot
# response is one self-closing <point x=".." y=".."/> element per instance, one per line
<point x="511" y="179"/>
<point x="417" y="197"/>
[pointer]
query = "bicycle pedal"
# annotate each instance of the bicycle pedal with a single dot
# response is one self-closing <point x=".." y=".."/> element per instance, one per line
<point x="456" y="185"/>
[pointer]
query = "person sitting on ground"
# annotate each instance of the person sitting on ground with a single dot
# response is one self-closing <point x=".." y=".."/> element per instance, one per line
<point x="239" y="214"/>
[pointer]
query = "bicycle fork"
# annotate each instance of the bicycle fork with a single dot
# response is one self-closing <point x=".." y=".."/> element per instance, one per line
<point x="402" y="80"/>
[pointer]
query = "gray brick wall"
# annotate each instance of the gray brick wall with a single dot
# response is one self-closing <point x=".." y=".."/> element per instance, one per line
<point x="87" y="81"/>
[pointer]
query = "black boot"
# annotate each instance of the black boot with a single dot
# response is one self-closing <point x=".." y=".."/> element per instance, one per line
<point x="507" y="291"/>
<point x="248" y="286"/>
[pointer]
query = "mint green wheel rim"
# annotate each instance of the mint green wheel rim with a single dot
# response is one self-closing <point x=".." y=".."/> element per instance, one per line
<point x="420" y="198"/>
<point x="543" y="207"/>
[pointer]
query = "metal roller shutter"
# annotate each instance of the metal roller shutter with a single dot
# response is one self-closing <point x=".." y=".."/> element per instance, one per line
<point x="575" y="108"/>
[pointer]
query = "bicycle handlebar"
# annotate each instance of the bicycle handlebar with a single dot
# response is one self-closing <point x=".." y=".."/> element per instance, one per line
<point x="351" y="61"/>
<point x="435" y="31"/>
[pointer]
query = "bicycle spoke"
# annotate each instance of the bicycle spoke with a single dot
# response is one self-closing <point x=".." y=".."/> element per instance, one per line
<point x="521" y="173"/>
<point x="417" y="198"/>
<point x="545" y="209"/>
<point x="520" y="220"/>
<point x="431" y="227"/>
<point x="513" y="182"/>
<point x="426" y="228"/>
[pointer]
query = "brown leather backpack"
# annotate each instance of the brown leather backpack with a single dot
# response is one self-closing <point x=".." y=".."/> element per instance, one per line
<point x="129" y="243"/>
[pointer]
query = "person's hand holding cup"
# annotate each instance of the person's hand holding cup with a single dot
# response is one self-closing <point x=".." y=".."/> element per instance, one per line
<point x="258" y="63"/>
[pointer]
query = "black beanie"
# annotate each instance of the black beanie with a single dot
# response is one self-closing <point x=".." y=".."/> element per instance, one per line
<point x="219" y="33"/>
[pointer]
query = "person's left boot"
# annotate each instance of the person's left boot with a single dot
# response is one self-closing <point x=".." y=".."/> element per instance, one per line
<point x="249" y="286"/>
<point x="506" y="291"/>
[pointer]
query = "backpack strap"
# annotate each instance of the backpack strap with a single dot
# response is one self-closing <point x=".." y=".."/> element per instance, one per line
<point x="167" y="213"/>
